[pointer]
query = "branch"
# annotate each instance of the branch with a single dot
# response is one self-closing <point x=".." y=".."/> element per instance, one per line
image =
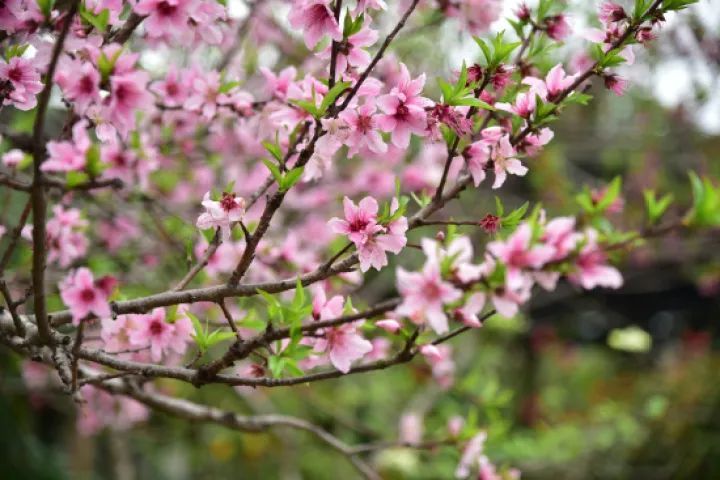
<point x="388" y="40"/>
<point x="252" y="424"/>
<point x="123" y="35"/>
<point x="334" y="48"/>
<point x="15" y="237"/>
<point x="39" y="203"/>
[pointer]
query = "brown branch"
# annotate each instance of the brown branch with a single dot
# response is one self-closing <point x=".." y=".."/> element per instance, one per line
<point x="335" y="45"/>
<point x="39" y="202"/>
<point x="259" y="423"/>
<point x="123" y="34"/>
<point x="15" y="237"/>
<point x="12" y="308"/>
<point x="378" y="56"/>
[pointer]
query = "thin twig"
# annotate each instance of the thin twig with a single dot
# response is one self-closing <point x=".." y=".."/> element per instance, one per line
<point x="39" y="203"/>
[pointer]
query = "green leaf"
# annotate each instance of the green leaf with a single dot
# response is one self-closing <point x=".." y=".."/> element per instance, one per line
<point x="308" y="106"/>
<point x="473" y="102"/>
<point x="579" y="98"/>
<point x="200" y="334"/>
<point x="332" y="95"/>
<point x="674" y="5"/>
<point x="93" y="164"/>
<point x="274" y="170"/>
<point x="611" y="194"/>
<point x="656" y="208"/>
<point x="273" y="149"/>
<point x="276" y="365"/>
<point x="73" y="179"/>
<point x="485" y="50"/>
<point x="218" y="336"/>
<point x="46" y="7"/>
<point x="514" y="217"/>
<point x="226" y="87"/>
<point x="499" y="207"/>
<point x="291" y="178"/>
<point x="705" y="211"/>
<point x="99" y="21"/>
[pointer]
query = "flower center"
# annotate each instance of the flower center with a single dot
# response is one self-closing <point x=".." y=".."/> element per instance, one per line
<point x="87" y="295"/>
<point x="15" y="74"/>
<point x="402" y="111"/>
<point x="227" y="202"/>
<point x="165" y="9"/>
<point x="156" y="327"/>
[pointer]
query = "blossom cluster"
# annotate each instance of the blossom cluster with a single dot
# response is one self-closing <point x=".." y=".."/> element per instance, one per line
<point x="537" y="252"/>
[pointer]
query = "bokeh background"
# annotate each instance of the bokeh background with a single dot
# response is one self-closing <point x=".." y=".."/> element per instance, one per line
<point x="620" y="384"/>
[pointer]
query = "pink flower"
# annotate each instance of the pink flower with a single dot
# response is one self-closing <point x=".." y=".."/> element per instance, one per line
<point x="556" y="82"/>
<point x="471" y="455"/>
<point x="476" y="156"/>
<point x="102" y="409"/>
<point x="161" y="336"/>
<point x="24" y="80"/>
<point x="611" y="12"/>
<point x="350" y="53"/>
<point x="524" y="105"/>
<point x="115" y="334"/>
<point x="389" y="325"/>
<point x="364" y="5"/>
<point x="404" y="109"/>
<point x="502" y="154"/>
<point x="477" y="15"/>
<point x="207" y="93"/>
<point x="533" y="142"/>
<point x="591" y="269"/>
<point x="411" y="428"/>
<point x="277" y="85"/>
<point x="617" y="84"/>
<point x="507" y="299"/>
<point x="490" y="223"/>
<point x="84" y="296"/>
<point x="173" y="90"/>
<point x="450" y="116"/>
<point x="607" y="38"/>
<point x="371" y="239"/>
<point x="557" y="27"/>
<point x="223" y="213"/>
<point x="431" y="353"/>
<point x="68" y="156"/>
<point x="316" y="19"/>
<point x="324" y="309"/>
<point x="128" y="93"/>
<point x="117" y="231"/>
<point x="164" y="17"/>
<point x="66" y="243"/>
<point x="363" y="125"/>
<point x="425" y="295"/>
<point x="360" y="222"/>
<point x="518" y="253"/>
<point x="344" y="345"/>
<point x="13" y="157"/>
<point x="560" y="234"/>
<point x="206" y="17"/>
<point x="469" y="313"/>
<point x="80" y="82"/>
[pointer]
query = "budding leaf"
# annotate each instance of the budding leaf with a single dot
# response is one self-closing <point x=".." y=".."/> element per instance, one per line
<point x="330" y="97"/>
<point x="674" y="5"/>
<point x="656" y="208"/>
<point x="291" y="178"/>
<point x="705" y="211"/>
<point x="274" y="170"/>
<point x="273" y="149"/>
